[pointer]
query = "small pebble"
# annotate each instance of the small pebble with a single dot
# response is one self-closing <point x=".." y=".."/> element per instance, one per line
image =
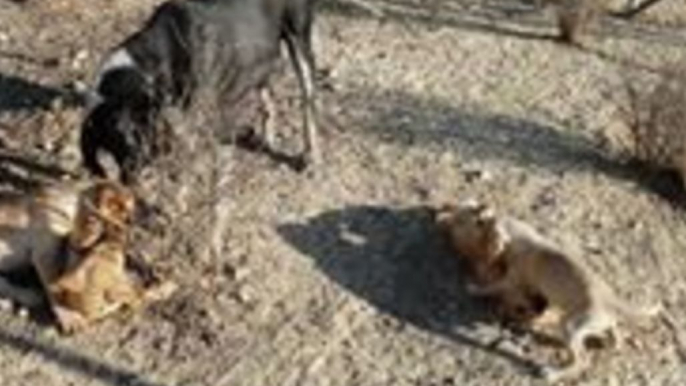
<point x="477" y="174"/>
<point x="352" y="238"/>
<point x="245" y="295"/>
<point x="79" y="86"/>
<point x="81" y="55"/>
<point x="205" y="283"/>
<point x="240" y="273"/>
<point x="79" y="59"/>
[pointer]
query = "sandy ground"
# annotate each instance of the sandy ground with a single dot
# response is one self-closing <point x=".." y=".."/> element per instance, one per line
<point x="342" y="279"/>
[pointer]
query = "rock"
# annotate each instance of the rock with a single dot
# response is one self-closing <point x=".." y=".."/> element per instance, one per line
<point x="477" y="174"/>
<point x="245" y="294"/>
<point x="80" y="58"/>
<point x="241" y="273"/>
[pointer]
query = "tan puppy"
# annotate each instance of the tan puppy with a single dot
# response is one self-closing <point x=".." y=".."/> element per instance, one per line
<point x="95" y="282"/>
<point x="519" y="305"/>
<point x="587" y="306"/>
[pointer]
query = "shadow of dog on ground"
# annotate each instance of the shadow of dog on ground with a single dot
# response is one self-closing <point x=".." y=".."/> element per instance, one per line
<point x="396" y="260"/>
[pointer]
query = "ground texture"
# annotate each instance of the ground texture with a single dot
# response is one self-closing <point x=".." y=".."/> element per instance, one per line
<point x="342" y="279"/>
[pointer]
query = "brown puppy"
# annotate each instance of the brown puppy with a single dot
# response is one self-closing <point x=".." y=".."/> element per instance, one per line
<point x="587" y="306"/>
<point x="95" y="282"/>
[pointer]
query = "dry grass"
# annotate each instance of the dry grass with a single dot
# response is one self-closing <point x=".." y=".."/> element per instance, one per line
<point x="182" y="192"/>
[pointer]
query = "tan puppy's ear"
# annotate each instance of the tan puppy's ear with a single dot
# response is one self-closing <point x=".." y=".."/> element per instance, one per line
<point x="86" y="231"/>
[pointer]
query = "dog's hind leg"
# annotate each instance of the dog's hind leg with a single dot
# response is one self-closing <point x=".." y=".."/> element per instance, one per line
<point x="299" y="42"/>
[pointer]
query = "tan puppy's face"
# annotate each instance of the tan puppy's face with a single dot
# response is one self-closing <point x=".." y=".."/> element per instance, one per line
<point x="104" y="206"/>
<point x="115" y="202"/>
<point x="473" y="231"/>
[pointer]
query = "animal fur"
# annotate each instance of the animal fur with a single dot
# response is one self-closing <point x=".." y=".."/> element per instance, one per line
<point x="226" y="46"/>
<point x="74" y="236"/>
<point x="95" y="283"/>
<point x="587" y="305"/>
<point x="461" y="226"/>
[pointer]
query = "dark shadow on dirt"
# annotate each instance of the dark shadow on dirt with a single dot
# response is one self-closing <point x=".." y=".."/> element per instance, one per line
<point x="493" y="18"/>
<point x="519" y="19"/>
<point x="20" y="172"/>
<point x="17" y="94"/>
<point x="625" y="64"/>
<point x="397" y="261"/>
<point x="45" y="63"/>
<point x="74" y="361"/>
<point x="666" y="183"/>
<point x="411" y="120"/>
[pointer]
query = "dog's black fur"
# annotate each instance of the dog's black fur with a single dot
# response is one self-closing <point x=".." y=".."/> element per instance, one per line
<point x="228" y="45"/>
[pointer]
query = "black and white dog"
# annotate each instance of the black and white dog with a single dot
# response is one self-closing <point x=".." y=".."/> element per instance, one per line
<point x="230" y="46"/>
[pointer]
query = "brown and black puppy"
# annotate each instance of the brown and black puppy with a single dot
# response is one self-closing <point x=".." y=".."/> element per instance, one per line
<point x="95" y="282"/>
<point x="587" y="306"/>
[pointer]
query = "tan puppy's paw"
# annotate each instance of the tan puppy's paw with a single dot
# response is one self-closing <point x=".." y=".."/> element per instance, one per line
<point x="70" y="321"/>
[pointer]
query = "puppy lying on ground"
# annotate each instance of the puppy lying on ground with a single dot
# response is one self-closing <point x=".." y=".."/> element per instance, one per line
<point x="520" y="305"/>
<point x="524" y="262"/>
<point x="74" y="237"/>
<point x="227" y="46"/>
<point x="95" y="282"/>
